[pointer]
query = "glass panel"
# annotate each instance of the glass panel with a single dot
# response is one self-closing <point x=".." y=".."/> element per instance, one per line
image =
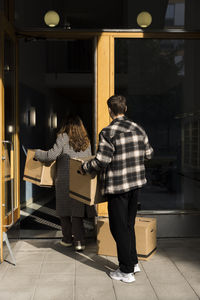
<point x="1" y="5"/>
<point x="55" y="78"/>
<point x="160" y="80"/>
<point x="9" y="94"/>
<point x="109" y="14"/>
<point x="4" y="8"/>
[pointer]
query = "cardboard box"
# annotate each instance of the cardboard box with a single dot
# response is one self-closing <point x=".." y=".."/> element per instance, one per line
<point x="38" y="173"/>
<point x="84" y="188"/>
<point x="145" y="231"/>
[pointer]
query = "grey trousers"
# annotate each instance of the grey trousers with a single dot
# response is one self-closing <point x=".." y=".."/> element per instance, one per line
<point x="72" y="229"/>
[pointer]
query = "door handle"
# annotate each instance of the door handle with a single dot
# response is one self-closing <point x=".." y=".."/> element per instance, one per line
<point x="12" y="184"/>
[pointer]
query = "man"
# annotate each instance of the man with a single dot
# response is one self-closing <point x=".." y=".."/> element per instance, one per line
<point x="123" y="147"/>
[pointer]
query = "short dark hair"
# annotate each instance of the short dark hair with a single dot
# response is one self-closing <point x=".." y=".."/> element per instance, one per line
<point x="117" y="104"/>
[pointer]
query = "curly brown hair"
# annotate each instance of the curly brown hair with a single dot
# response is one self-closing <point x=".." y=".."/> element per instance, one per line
<point x="78" y="136"/>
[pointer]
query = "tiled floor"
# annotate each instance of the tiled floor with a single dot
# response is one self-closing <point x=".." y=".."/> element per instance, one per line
<point x="46" y="270"/>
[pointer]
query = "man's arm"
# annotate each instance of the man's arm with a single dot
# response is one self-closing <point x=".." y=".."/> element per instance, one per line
<point x="148" y="148"/>
<point x="103" y="156"/>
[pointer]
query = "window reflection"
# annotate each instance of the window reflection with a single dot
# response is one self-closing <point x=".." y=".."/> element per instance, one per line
<point x="175" y="14"/>
<point x="120" y="14"/>
<point x="160" y="81"/>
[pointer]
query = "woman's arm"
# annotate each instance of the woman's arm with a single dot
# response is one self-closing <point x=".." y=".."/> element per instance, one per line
<point x="53" y="153"/>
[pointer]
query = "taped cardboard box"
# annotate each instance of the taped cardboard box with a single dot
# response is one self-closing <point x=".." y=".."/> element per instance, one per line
<point x="84" y="188"/>
<point x="145" y="231"/>
<point x="38" y="173"/>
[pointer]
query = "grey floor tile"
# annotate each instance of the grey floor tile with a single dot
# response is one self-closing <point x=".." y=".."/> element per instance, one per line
<point x="162" y="272"/>
<point x="94" y="287"/>
<point x="178" y="242"/>
<point x="33" y="268"/>
<point x="50" y="271"/>
<point x="58" y="268"/>
<point x="34" y="245"/>
<point x="140" y="289"/>
<point x="29" y="257"/>
<point x="53" y="293"/>
<point x="55" y="280"/>
<point x="159" y="257"/>
<point x="191" y="272"/>
<point x="3" y="268"/>
<point x="94" y="260"/>
<point x="175" y="291"/>
<point x="186" y="254"/>
<point x="90" y="270"/>
<point x="188" y="266"/>
<point x="19" y="293"/>
<point x="17" y="280"/>
<point x="59" y="257"/>
<point x="91" y="264"/>
<point x="113" y="259"/>
<point x="193" y="279"/>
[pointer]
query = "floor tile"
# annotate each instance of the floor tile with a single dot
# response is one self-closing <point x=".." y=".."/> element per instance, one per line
<point x="175" y="291"/>
<point x="96" y="287"/>
<point x="137" y="290"/>
<point x="53" y="293"/>
<point x="59" y="268"/>
<point x="19" y="293"/>
<point x="33" y="268"/>
<point x="11" y="280"/>
<point x="51" y="271"/>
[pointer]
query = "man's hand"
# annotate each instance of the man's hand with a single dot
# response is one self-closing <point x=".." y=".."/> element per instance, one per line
<point x="81" y="171"/>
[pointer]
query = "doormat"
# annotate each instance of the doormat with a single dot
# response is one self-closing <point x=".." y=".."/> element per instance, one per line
<point x="43" y="218"/>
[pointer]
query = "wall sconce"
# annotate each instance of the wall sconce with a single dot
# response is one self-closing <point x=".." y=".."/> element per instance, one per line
<point x="51" y="18"/>
<point x="53" y="121"/>
<point x="10" y="129"/>
<point x="144" y="19"/>
<point x="31" y="117"/>
<point x="6" y="68"/>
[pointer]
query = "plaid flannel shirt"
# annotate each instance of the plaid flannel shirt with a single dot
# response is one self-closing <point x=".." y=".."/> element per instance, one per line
<point x="123" y="147"/>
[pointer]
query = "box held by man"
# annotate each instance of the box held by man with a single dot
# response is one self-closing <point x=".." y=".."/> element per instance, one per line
<point x="84" y="188"/>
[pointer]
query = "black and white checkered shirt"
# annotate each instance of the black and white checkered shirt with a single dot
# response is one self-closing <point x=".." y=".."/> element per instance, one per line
<point x="123" y="147"/>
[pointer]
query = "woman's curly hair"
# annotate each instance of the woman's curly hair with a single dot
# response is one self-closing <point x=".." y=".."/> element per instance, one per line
<point x="78" y="136"/>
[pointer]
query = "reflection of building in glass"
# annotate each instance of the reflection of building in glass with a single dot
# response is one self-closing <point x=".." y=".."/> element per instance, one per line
<point x="175" y="13"/>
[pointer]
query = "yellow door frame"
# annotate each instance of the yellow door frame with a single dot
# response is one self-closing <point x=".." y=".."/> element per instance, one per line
<point x="7" y="29"/>
<point x="106" y="72"/>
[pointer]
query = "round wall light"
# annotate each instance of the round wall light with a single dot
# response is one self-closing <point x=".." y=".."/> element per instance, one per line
<point x="144" y="19"/>
<point x="51" y="18"/>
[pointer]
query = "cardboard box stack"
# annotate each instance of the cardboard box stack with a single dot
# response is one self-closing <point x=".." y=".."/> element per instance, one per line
<point x="86" y="188"/>
<point x="145" y="231"/>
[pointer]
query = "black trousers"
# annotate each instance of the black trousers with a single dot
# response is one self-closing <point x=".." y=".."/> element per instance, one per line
<point x="122" y="209"/>
<point x="72" y="226"/>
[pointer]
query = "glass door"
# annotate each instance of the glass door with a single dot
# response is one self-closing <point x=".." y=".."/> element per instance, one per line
<point x="9" y="141"/>
<point x="159" y="77"/>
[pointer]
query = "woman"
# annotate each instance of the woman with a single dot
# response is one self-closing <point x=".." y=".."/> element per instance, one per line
<point x="72" y="141"/>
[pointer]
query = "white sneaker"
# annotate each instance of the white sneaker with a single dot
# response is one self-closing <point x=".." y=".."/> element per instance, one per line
<point x="136" y="268"/>
<point x="125" y="277"/>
